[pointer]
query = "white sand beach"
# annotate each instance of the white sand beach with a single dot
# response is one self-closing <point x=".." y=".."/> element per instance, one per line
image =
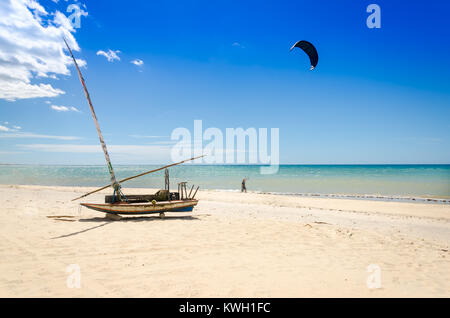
<point x="232" y="245"/>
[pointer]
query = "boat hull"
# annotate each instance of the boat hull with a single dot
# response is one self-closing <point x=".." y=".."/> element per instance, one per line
<point x="124" y="208"/>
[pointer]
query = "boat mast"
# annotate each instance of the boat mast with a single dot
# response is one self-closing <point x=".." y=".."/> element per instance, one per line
<point x="114" y="182"/>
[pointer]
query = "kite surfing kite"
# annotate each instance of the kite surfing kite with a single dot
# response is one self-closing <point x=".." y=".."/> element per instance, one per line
<point x="309" y="49"/>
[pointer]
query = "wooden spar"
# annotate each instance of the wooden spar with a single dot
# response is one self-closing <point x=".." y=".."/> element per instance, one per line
<point x="190" y="191"/>
<point x="138" y="175"/>
<point x="195" y="193"/>
<point x="114" y="182"/>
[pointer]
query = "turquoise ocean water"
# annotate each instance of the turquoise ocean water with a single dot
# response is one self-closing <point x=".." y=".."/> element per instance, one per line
<point x="384" y="180"/>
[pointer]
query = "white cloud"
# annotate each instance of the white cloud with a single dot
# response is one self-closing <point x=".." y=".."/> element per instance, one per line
<point x="132" y="150"/>
<point x="137" y="62"/>
<point x="14" y="132"/>
<point x="237" y="44"/>
<point x="146" y="136"/>
<point x="155" y="153"/>
<point x="11" y="152"/>
<point x="120" y="154"/>
<point x="39" y="136"/>
<point x="64" y="108"/>
<point x="9" y="129"/>
<point x="110" y="55"/>
<point x="32" y="49"/>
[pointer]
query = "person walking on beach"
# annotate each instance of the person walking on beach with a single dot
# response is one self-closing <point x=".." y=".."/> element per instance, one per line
<point x="243" y="188"/>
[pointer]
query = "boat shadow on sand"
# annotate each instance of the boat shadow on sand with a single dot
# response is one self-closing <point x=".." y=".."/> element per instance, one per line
<point x="141" y="218"/>
<point x="104" y="221"/>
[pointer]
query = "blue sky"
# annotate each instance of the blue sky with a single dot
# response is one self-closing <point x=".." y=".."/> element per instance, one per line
<point x="376" y="96"/>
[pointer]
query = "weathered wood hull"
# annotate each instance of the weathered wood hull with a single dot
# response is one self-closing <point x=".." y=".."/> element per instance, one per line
<point x="124" y="208"/>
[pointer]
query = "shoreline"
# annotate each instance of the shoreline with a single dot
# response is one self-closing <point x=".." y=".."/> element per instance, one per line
<point x="373" y="197"/>
<point x="368" y="197"/>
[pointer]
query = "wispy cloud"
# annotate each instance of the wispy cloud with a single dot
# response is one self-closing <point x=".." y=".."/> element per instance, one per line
<point x="11" y="152"/>
<point x="64" y="108"/>
<point x="237" y="44"/>
<point x="147" y="136"/>
<point x="32" y="49"/>
<point x="124" y="154"/>
<point x="138" y="62"/>
<point x="166" y="142"/>
<point x="14" y="132"/>
<point x="117" y="149"/>
<point x="5" y="127"/>
<point x="110" y="55"/>
<point x="38" y="136"/>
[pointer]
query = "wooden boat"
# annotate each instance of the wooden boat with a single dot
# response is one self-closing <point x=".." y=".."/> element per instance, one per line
<point x="124" y="208"/>
<point x="120" y="204"/>
<point x="160" y="202"/>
